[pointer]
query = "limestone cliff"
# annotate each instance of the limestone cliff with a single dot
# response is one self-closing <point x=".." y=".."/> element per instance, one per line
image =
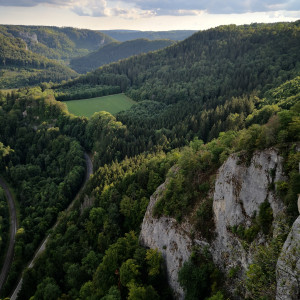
<point x="238" y="192"/>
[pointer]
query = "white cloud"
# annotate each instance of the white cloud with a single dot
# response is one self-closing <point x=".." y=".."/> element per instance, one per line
<point x="144" y="8"/>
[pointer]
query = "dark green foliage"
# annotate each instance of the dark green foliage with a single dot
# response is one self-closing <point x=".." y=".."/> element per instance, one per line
<point x="204" y="219"/>
<point x="214" y="64"/>
<point x="21" y="67"/>
<point x="84" y="92"/>
<point x="116" y="51"/>
<point x="120" y="192"/>
<point x="260" y="279"/>
<point x="45" y="167"/>
<point x="265" y="217"/>
<point x="55" y="42"/>
<point x="198" y="275"/>
<point x="205" y="85"/>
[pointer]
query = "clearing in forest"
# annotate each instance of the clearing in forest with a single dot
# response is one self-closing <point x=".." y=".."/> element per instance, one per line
<point x="87" y="107"/>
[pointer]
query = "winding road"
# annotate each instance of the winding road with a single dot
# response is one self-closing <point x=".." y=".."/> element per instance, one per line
<point x="13" y="229"/>
<point x="89" y="172"/>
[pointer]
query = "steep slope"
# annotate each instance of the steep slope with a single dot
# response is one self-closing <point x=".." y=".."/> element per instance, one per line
<point x="127" y="35"/>
<point x="55" y="42"/>
<point x="220" y="218"/>
<point x="20" y="66"/>
<point x="211" y="65"/>
<point x="116" y="51"/>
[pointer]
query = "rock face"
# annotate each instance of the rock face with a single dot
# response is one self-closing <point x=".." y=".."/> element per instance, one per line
<point x="288" y="266"/>
<point x="239" y="190"/>
<point x="170" y="239"/>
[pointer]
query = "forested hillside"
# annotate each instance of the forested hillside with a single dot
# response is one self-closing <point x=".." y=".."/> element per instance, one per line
<point x="44" y="166"/>
<point x="97" y="243"/>
<point x="232" y="89"/>
<point x="199" y="87"/>
<point x="116" y="51"/>
<point x="55" y="42"/>
<point x="128" y="35"/>
<point x="21" y="67"/>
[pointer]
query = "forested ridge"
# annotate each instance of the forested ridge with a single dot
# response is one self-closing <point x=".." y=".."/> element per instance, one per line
<point x="55" y="42"/>
<point x="116" y="51"/>
<point x="232" y="89"/>
<point x="204" y="85"/>
<point x="21" y="67"/>
<point x="94" y="251"/>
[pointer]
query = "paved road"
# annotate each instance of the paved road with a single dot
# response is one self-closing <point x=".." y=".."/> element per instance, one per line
<point x="89" y="172"/>
<point x="13" y="229"/>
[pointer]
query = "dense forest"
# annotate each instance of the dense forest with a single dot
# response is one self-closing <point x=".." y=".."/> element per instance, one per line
<point x="204" y="85"/>
<point x="45" y="167"/>
<point x="21" y="67"/>
<point x="56" y="42"/>
<point x="231" y="89"/>
<point x="94" y="252"/>
<point x="116" y="51"/>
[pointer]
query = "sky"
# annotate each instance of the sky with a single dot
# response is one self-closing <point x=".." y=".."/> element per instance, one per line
<point x="156" y="15"/>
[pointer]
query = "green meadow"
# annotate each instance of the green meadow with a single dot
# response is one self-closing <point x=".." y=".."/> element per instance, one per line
<point x="87" y="107"/>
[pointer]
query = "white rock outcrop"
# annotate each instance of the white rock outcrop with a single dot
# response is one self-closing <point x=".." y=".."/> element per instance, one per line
<point x="170" y="238"/>
<point x="288" y="266"/>
<point x="239" y="190"/>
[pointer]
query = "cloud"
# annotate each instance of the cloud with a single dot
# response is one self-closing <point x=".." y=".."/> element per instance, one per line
<point x="144" y="8"/>
<point x="31" y="3"/>
<point x="215" y="6"/>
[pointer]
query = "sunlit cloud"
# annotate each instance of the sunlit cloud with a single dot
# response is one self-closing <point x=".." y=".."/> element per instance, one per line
<point x="146" y="8"/>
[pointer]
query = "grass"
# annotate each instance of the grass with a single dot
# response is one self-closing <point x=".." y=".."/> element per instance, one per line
<point x="87" y="107"/>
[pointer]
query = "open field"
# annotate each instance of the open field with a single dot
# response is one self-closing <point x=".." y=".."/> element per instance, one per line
<point x="87" y="107"/>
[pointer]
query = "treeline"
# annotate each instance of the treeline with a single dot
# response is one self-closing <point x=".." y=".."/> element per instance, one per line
<point x="127" y="35"/>
<point x="114" y="52"/>
<point x="84" y="91"/>
<point x="45" y="167"/>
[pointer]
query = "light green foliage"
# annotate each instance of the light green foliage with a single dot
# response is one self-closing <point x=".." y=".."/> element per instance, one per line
<point x="261" y="276"/>
<point x="129" y="272"/>
<point x="142" y="293"/>
<point x="112" y="104"/>
<point x="154" y="261"/>
<point x="217" y="296"/>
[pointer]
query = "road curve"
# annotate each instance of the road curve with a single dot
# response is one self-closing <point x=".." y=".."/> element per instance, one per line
<point x="13" y="229"/>
<point x="42" y="247"/>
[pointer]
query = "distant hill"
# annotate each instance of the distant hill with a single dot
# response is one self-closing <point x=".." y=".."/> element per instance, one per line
<point x="21" y="67"/>
<point x="116" y="51"/>
<point x="127" y="35"/>
<point x="57" y="43"/>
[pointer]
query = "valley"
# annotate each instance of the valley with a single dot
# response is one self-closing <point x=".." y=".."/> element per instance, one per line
<point x="191" y="184"/>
